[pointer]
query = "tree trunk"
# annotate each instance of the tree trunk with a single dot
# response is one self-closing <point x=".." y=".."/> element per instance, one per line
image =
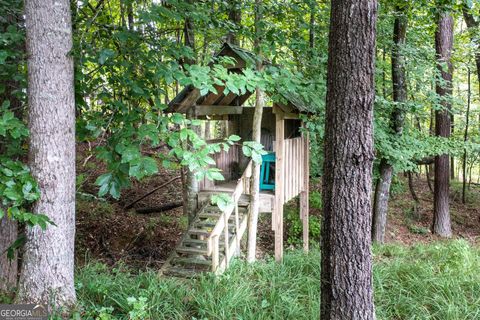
<point x="346" y="277"/>
<point x="48" y="260"/>
<point x="8" y="227"/>
<point x="8" y="268"/>
<point x="382" y="190"/>
<point x="472" y="25"/>
<point x="256" y="136"/>
<point x="191" y="184"/>
<point x="452" y="158"/>
<point x="443" y="46"/>
<point x="190" y="208"/>
<point x="311" y="32"/>
<point x="465" y="135"/>
<point x="380" y="203"/>
<point x="235" y="16"/>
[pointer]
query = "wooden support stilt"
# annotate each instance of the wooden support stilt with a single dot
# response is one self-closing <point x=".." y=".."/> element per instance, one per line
<point x="279" y="183"/>
<point x="304" y="195"/>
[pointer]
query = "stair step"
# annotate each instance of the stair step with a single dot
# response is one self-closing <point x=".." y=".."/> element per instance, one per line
<point x="199" y="232"/>
<point x="190" y="250"/>
<point x="183" y="273"/>
<point x="190" y="261"/>
<point x="195" y="241"/>
<point x="209" y="215"/>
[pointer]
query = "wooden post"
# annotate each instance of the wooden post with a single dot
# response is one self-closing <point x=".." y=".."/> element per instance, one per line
<point x="237" y="230"/>
<point x="226" y="242"/>
<point x="279" y="182"/>
<point x="215" y="254"/>
<point x="304" y="195"/>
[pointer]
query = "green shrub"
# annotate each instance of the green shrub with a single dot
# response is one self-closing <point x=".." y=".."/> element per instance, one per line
<point x="295" y="226"/>
<point x="315" y="200"/>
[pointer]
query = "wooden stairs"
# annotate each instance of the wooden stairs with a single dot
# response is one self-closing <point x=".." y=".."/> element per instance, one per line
<point x="196" y="250"/>
<point x="213" y="237"/>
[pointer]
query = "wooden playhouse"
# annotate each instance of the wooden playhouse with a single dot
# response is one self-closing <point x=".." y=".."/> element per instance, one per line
<point x="214" y="237"/>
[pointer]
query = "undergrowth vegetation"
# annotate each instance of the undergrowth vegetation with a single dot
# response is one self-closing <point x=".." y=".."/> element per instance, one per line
<point x="427" y="281"/>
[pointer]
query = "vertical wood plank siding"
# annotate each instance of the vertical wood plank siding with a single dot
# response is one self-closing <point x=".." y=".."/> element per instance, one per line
<point x="294" y="165"/>
<point x="227" y="162"/>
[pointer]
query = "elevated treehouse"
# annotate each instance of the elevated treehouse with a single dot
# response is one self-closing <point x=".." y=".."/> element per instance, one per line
<point x="213" y="237"/>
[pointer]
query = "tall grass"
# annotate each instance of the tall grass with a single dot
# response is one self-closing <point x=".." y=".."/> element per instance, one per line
<point x="436" y="281"/>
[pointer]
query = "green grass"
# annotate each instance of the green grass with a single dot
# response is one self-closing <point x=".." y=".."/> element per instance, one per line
<point x="435" y="281"/>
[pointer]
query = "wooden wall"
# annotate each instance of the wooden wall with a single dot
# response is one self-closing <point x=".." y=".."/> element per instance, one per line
<point x="228" y="163"/>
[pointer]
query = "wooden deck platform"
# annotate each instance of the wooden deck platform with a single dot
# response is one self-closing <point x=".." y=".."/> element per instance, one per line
<point x="267" y="198"/>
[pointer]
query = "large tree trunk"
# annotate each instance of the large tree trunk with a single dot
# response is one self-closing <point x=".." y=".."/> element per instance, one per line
<point x="346" y="278"/>
<point x="382" y="190"/>
<point x="443" y="46"/>
<point x="48" y="260"/>
<point x="8" y="227"/>
<point x="8" y="268"/>
<point x="256" y="136"/>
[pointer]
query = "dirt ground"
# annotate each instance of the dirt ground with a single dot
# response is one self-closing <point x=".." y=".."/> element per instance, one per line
<point x="108" y="232"/>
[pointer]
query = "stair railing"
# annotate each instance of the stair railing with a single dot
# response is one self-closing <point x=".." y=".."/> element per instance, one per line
<point x="213" y="245"/>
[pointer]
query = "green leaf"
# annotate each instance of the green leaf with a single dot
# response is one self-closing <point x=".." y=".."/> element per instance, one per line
<point x="234" y="138"/>
<point x="104" y="179"/>
<point x="105" y="54"/>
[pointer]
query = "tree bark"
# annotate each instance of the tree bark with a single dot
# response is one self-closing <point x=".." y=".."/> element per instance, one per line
<point x="465" y="136"/>
<point x="192" y="187"/>
<point x="8" y="268"/>
<point x="382" y="190"/>
<point x="235" y="16"/>
<point x="472" y="25"/>
<point x="48" y="260"/>
<point x="346" y="277"/>
<point x="256" y="136"/>
<point x="380" y="204"/>
<point x="443" y="47"/>
<point x="9" y="227"/>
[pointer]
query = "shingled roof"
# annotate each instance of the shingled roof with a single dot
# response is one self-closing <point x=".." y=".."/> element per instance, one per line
<point x="190" y="96"/>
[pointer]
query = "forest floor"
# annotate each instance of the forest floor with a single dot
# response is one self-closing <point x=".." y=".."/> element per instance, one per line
<point x="108" y="232"/>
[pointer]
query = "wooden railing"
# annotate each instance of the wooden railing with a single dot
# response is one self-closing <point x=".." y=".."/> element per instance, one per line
<point x="294" y="168"/>
<point x="231" y="243"/>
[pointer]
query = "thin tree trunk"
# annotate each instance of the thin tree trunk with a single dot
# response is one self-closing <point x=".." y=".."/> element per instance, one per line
<point x="465" y="136"/>
<point x="311" y="33"/>
<point x="443" y="46"/>
<point x="235" y="16"/>
<point x="472" y="26"/>
<point x="429" y="180"/>
<point x="48" y="260"/>
<point x="256" y="136"/>
<point x="130" y="15"/>
<point x="382" y="190"/>
<point x="380" y="203"/>
<point x="192" y="186"/>
<point x="346" y="270"/>
<point x="452" y="158"/>
<point x="416" y="201"/>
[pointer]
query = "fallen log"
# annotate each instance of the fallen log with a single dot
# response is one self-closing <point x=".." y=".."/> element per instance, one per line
<point x="128" y="206"/>
<point x="166" y="207"/>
